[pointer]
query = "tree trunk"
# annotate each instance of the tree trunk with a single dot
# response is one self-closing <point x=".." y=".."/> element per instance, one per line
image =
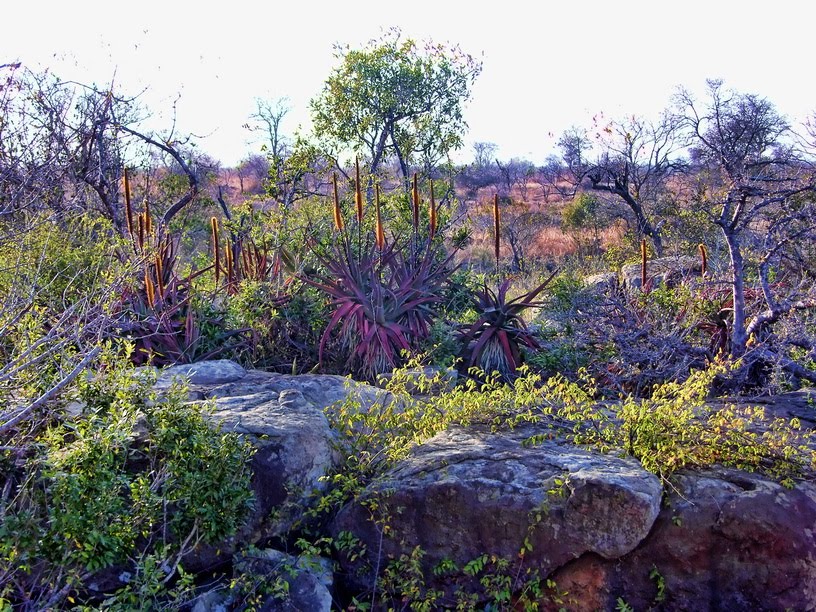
<point x="739" y="337"/>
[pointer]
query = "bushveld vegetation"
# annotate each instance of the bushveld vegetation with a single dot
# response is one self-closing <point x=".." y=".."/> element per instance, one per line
<point x="361" y="249"/>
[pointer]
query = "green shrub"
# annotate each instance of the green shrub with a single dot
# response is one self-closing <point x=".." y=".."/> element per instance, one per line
<point x="131" y="480"/>
<point x="59" y="264"/>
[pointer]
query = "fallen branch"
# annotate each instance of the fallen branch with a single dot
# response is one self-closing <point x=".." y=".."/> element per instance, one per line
<point x="52" y="392"/>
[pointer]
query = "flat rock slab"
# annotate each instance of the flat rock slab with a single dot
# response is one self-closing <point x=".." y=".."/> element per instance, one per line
<point x="214" y="372"/>
<point x="468" y="492"/>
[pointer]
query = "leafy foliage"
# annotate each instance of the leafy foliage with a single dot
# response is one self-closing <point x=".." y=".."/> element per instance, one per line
<point x="132" y="478"/>
<point x="395" y="97"/>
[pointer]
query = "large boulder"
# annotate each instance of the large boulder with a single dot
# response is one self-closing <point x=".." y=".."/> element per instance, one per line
<point x="284" y="418"/>
<point x="322" y="391"/>
<point x="725" y="540"/>
<point x="468" y="492"/>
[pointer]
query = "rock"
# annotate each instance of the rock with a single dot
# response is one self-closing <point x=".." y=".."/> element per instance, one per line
<point x="665" y="270"/>
<point x="321" y="390"/>
<point x="214" y="600"/>
<point x="294" y="450"/>
<point x="465" y="493"/>
<point x="309" y="580"/>
<point x="725" y="540"/>
<point x="283" y="417"/>
<point x="214" y="372"/>
<point x="601" y="283"/>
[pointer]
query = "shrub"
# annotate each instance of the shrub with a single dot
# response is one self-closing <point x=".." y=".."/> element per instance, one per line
<point x="675" y="429"/>
<point x="132" y="481"/>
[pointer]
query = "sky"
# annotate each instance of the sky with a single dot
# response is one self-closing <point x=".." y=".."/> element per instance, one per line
<point x="546" y="65"/>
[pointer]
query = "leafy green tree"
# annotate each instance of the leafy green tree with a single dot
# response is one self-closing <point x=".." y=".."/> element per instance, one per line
<point x="396" y="98"/>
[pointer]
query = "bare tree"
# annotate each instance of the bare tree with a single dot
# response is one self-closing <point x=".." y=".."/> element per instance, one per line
<point x="515" y="175"/>
<point x="64" y="146"/>
<point x="760" y="194"/>
<point x="631" y="160"/>
<point x="484" y="153"/>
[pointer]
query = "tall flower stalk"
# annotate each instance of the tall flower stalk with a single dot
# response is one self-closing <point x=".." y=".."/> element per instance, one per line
<point x="496" y="229"/>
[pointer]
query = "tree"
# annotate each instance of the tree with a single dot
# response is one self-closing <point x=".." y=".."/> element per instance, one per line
<point x="290" y="164"/>
<point x="520" y="227"/>
<point x="64" y="146"/>
<point x="396" y="98"/>
<point x="515" y="174"/>
<point x="631" y="160"/>
<point x="760" y="192"/>
<point x="484" y="153"/>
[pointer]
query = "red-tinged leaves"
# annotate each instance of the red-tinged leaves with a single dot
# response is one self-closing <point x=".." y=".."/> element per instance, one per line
<point x="394" y="291"/>
<point x="500" y="330"/>
<point x="509" y="352"/>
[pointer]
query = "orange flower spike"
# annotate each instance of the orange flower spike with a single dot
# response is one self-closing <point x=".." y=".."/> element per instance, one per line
<point x="643" y="263"/>
<point x="496" y="228"/>
<point x="432" y="213"/>
<point x="150" y="290"/>
<point x="216" y="248"/>
<point x="358" y="191"/>
<point x="141" y="233"/>
<point x="159" y="276"/>
<point x="128" y="207"/>
<point x="338" y="215"/>
<point x="148" y="218"/>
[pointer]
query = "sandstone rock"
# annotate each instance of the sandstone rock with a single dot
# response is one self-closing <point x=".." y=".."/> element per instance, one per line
<point x="283" y="417"/>
<point x="294" y="450"/>
<point x="214" y="372"/>
<point x="320" y="390"/>
<point x="725" y="540"/>
<point x="465" y="493"/>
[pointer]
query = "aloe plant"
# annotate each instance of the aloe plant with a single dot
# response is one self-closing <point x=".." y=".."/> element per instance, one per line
<point x="384" y="302"/>
<point x="494" y="341"/>
<point x="155" y="311"/>
<point x="243" y="259"/>
<point x="384" y="292"/>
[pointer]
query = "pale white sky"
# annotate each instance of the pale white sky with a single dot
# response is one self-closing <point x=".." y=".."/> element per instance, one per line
<point x="547" y="65"/>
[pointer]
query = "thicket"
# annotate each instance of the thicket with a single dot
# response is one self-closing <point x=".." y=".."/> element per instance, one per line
<point x="109" y="260"/>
